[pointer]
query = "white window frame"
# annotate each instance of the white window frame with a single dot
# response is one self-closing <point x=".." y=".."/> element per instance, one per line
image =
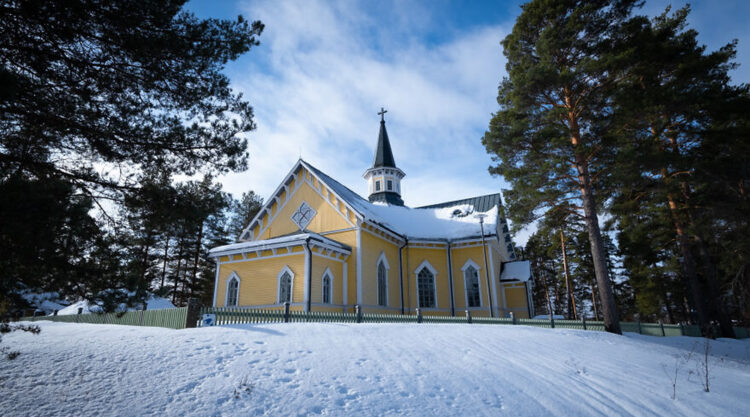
<point x="329" y="274"/>
<point x="426" y="264"/>
<point x="232" y="276"/>
<point x="389" y="185"/>
<point x="377" y="186"/>
<point x="382" y="259"/>
<point x="470" y="263"/>
<point x="278" y="285"/>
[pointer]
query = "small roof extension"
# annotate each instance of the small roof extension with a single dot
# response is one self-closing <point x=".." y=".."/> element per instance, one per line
<point x="281" y="242"/>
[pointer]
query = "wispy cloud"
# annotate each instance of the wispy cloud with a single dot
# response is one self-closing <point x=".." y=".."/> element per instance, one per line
<point x="323" y="71"/>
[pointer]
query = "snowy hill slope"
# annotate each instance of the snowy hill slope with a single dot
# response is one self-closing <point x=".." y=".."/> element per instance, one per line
<point x="364" y="369"/>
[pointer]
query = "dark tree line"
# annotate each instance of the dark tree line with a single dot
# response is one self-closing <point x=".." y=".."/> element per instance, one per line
<point x="102" y="105"/>
<point x="605" y="111"/>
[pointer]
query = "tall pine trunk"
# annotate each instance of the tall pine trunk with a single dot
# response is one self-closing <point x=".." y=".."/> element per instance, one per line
<point x="572" y="311"/>
<point x="164" y="265"/>
<point x="688" y="265"/>
<point x="725" y="324"/>
<point x="593" y="301"/>
<point x="197" y="257"/>
<point x="668" y="306"/>
<point x="598" y="252"/>
<point x="177" y="274"/>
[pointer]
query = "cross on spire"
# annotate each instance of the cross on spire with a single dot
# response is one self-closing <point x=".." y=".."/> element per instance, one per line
<point x="382" y="113"/>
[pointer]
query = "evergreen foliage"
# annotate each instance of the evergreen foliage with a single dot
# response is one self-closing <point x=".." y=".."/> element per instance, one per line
<point x="664" y="141"/>
<point x="555" y="105"/>
<point x="103" y="103"/>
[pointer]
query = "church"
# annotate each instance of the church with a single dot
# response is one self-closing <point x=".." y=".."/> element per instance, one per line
<point x="320" y="246"/>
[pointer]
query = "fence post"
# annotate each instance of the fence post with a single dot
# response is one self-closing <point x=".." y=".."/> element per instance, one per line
<point x="682" y="330"/>
<point x="552" y="321"/>
<point x="583" y="320"/>
<point x="639" y="325"/>
<point x="419" y="315"/>
<point x="512" y="317"/>
<point x="661" y="325"/>
<point x="286" y="311"/>
<point x="468" y="316"/>
<point x="193" y="313"/>
<point x="358" y="312"/>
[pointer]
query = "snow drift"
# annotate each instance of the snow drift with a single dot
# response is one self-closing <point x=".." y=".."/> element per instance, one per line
<point x="365" y="369"/>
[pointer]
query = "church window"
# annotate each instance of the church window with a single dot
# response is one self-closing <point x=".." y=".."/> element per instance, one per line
<point x="426" y="288"/>
<point x="377" y="185"/>
<point x="233" y="289"/>
<point x="471" y="280"/>
<point x="382" y="284"/>
<point x="285" y="287"/>
<point x="327" y="288"/>
<point x="390" y="185"/>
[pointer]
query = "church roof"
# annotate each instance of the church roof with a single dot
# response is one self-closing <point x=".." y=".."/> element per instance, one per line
<point x="383" y="153"/>
<point x="424" y="223"/>
<point x="387" y="197"/>
<point x="280" y="241"/>
<point x="481" y="203"/>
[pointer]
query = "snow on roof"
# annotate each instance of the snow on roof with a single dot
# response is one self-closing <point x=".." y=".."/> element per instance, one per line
<point x="428" y="224"/>
<point x="276" y="242"/>
<point x="420" y="223"/>
<point x="84" y="304"/>
<point x="516" y="271"/>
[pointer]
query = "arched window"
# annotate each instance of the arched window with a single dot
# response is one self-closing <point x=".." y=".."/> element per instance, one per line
<point x="471" y="281"/>
<point x="327" y="288"/>
<point x="382" y="284"/>
<point x="233" y="290"/>
<point x="285" y="287"/>
<point x="426" y="288"/>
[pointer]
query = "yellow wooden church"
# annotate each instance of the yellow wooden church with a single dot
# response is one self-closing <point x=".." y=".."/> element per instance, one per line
<point x="321" y="247"/>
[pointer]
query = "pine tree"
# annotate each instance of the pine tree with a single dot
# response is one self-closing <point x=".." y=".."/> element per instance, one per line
<point x="562" y="67"/>
<point x="119" y="82"/>
<point x="665" y="107"/>
<point x="95" y="95"/>
<point x="243" y="211"/>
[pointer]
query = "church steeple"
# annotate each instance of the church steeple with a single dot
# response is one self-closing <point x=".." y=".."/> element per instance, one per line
<point x="383" y="153"/>
<point x="384" y="177"/>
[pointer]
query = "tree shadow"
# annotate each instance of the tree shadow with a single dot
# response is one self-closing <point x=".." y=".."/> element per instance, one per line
<point x="252" y="328"/>
<point x="733" y="349"/>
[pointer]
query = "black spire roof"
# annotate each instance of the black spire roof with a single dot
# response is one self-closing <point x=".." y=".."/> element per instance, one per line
<point x="383" y="153"/>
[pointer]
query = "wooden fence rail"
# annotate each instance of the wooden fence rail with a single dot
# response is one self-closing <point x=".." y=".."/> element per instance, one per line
<point x="178" y="318"/>
<point x="173" y="318"/>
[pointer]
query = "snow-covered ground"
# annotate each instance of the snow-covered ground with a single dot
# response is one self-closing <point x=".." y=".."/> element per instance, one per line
<point x="365" y="369"/>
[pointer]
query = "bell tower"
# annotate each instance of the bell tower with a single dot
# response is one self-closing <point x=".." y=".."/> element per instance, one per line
<point x="384" y="178"/>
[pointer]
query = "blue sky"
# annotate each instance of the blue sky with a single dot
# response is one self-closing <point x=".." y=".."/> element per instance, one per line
<point x="324" y="69"/>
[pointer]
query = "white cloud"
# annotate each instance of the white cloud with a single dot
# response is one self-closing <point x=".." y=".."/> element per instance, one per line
<point x="322" y="72"/>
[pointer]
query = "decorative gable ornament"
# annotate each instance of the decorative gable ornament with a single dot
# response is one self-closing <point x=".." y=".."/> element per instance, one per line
<point x="303" y="215"/>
